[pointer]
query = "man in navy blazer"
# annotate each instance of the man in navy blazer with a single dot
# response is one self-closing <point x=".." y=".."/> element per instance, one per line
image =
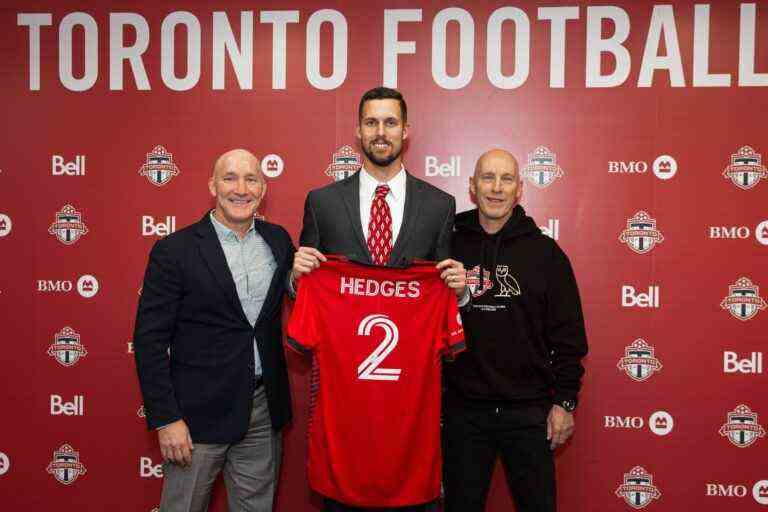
<point x="208" y="346"/>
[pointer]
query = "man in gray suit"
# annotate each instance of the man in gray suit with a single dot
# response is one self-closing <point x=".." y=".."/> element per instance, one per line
<point x="380" y="215"/>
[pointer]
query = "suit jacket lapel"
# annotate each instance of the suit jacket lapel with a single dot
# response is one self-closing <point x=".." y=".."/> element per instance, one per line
<point x="350" y="192"/>
<point x="278" y="252"/>
<point x="213" y="254"/>
<point x="410" y="214"/>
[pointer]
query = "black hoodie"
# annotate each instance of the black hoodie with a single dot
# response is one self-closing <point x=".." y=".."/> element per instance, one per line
<point x="525" y="330"/>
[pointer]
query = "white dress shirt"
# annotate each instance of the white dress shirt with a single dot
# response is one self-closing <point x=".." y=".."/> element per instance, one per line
<point x="395" y="200"/>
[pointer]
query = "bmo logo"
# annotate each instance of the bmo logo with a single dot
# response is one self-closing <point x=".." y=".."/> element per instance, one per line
<point x="727" y="490"/>
<point x="87" y="286"/>
<point x="759" y="491"/>
<point x="147" y="469"/>
<point x="624" y="422"/>
<point x="61" y="408"/>
<point x="732" y="363"/>
<point x="664" y="167"/>
<point x="160" y="228"/>
<point x="5" y="464"/>
<point x="432" y="167"/>
<point x="54" y="286"/>
<point x="729" y="232"/>
<point x="633" y="298"/>
<point x="60" y="167"/>
<point x="660" y="423"/>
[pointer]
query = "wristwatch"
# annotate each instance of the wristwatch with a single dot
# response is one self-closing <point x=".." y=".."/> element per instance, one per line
<point x="568" y="405"/>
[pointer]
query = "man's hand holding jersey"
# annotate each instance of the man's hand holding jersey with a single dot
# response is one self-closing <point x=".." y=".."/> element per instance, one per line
<point x="308" y="259"/>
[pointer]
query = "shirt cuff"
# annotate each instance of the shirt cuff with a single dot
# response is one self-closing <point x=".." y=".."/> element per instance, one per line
<point x="464" y="300"/>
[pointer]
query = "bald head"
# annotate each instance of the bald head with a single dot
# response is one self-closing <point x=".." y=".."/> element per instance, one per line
<point x="236" y="158"/>
<point x="496" y="187"/>
<point x="497" y="159"/>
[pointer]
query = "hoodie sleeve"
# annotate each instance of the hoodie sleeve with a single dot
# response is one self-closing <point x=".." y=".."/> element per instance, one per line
<point x="566" y="335"/>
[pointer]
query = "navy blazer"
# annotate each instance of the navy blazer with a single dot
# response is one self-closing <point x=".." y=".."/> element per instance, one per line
<point x="189" y="304"/>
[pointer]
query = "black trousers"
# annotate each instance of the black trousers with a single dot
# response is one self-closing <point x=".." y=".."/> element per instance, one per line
<point x="330" y="505"/>
<point x="474" y="437"/>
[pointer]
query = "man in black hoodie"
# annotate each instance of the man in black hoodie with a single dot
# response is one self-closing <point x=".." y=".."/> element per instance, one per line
<point x="513" y="392"/>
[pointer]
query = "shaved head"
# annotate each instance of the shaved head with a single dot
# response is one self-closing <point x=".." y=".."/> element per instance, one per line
<point x="235" y="157"/>
<point x="496" y="187"/>
<point x="497" y="158"/>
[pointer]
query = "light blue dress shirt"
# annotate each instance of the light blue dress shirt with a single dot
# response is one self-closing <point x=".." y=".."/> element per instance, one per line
<point x="252" y="265"/>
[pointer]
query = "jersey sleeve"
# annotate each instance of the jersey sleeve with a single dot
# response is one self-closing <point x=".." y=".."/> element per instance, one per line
<point x="304" y="324"/>
<point x="452" y="331"/>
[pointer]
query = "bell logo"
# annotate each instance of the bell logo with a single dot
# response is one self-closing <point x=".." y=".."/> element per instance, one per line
<point x="150" y="227"/>
<point x="751" y="364"/>
<point x="272" y="166"/>
<point x="61" y="168"/>
<point x="5" y="225"/>
<point x="630" y="298"/>
<point x="665" y="167"/>
<point x="87" y="286"/>
<point x="433" y="168"/>
<point x="74" y="408"/>
<point x="5" y="464"/>
<point x="761" y="232"/>
<point x="149" y="470"/>
<point x="661" y="423"/>
<point x="760" y="492"/>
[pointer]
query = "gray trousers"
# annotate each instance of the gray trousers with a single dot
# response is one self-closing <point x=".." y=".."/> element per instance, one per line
<point x="250" y="469"/>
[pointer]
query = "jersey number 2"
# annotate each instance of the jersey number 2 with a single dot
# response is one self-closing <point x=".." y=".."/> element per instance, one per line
<point x="369" y="369"/>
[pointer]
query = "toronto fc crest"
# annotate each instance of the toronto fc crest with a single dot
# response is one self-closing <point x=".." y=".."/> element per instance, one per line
<point x="159" y="168"/>
<point x="641" y="234"/>
<point x="344" y="163"/>
<point x="639" y="362"/>
<point x="68" y="226"/>
<point x="66" y="466"/>
<point x="638" y="490"/>
<point x="542" y="169"/>
<point x="66" y="347"/>
<point x="743" y="300"/>
<point x="746" y="168"/>
<point x="741" y="427"/>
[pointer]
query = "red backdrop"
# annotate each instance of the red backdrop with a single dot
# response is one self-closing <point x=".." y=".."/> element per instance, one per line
<point x="613" y="111"/>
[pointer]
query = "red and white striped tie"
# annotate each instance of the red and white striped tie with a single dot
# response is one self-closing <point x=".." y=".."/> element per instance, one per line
<point x="380" y="227"/>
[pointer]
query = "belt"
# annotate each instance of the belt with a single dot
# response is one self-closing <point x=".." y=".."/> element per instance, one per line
<point x="257" y="382"/>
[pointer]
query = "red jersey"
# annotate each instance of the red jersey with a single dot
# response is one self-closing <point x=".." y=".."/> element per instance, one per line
<point x="378" y="335"/>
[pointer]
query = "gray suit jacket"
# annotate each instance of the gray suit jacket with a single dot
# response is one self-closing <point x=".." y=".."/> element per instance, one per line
<point x="332" y="222"/>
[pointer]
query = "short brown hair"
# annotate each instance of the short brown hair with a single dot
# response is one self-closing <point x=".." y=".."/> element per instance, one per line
<point x="383" y="93"/>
